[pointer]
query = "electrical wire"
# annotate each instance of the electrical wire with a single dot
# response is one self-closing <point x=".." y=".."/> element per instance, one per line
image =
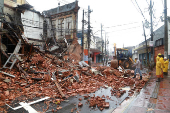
<point x="125" y="29"/>
<point x="140" y="9"/>
<point x="147" y="2"/>
<point x="135" y="6"/>
<point x="121" y="25"/>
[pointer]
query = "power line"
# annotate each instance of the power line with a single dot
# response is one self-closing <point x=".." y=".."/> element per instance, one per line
<point x="125" y="29"/>
<point x="121" y="25"/>
<point x="135" y="6"/>
<point x="147" y="2"/>
<point x="140" y="10"/>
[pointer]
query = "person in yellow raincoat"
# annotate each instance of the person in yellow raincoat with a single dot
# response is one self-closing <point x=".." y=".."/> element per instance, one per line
<point x="166" y="63"/>
<point x="158" y="68"/>
<point x="162" y="64"/>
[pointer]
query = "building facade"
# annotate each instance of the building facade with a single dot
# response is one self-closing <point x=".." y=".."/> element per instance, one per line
<point x="95" y="47"/>
<point x="158" y="45"/>
<point x="64" y="20"/>
<point x="141" y="52"/>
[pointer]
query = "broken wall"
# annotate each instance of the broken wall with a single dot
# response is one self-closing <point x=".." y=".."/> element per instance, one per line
<point x="49" y="33"/>
<point x="14" y="14"/>
<point x="33" y="26"/>
<point x="10" y="16"/>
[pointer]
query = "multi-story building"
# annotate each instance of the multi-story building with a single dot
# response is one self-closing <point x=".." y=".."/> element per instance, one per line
<point x="64" y="20"/>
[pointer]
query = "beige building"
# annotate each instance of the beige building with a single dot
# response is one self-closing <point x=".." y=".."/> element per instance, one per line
<point x="64" y="20"/>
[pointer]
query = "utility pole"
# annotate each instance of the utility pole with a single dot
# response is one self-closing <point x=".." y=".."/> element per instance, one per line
<point x="165" y="30"/>
<point x="146" y="45"/>
<point x="88" y="37"/>
<point x="105" y="50"/>
<point x="102" y="45"/>
<point x="82" y="40"/>
<point x="152" y="57"/>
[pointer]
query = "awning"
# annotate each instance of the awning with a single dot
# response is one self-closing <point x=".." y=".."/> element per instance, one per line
<point x="122" y="49"/>
<point x="93" y="50"/>
<point x="140" y="48"/>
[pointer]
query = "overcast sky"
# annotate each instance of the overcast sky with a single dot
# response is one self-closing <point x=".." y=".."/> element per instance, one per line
<point x="121" y="19"/>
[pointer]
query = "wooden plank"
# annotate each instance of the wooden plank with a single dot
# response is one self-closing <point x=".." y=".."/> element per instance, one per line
<point x="59" y="88"/>
<point x="7" y="74"/>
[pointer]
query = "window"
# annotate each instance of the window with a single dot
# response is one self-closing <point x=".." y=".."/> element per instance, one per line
<point x="60" y="27"/>
<point x="161" y="41"/>
<point x="68" y="25"/>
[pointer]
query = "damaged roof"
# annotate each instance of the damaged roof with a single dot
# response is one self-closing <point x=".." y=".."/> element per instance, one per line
<point x="61" y="9"/>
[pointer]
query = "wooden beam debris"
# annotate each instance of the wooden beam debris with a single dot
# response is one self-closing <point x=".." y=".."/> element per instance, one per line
<point x="7" y="74"/>
<point x="58" y="86"/>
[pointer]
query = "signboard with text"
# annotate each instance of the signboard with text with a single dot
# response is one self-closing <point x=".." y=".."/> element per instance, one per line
<point x="150" y="43"/>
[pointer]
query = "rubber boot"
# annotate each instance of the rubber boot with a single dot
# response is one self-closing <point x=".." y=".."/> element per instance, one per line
<point x="158" y="80"/>
<point x="134" y="76"/>
<point x="140" y="78"/>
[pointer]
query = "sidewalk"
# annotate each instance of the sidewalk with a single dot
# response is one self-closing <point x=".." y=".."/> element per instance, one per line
<point x="163" y="100"/>
<point x="153" y="98"/>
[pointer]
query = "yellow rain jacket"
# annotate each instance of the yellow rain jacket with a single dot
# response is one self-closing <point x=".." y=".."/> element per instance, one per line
<point x="158" y="67"/>
<point x="162" y="62"/>
<point x="166" y="66"/>
<point x="157" y="58"/>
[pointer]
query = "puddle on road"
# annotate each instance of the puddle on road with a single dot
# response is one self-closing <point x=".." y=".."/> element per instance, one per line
<point x="113" y="101"/>
<point x="73" y="101"/>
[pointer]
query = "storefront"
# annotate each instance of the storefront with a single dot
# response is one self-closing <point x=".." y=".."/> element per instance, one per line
<point x="95" y="54"/>
<point x="143" y="54"/>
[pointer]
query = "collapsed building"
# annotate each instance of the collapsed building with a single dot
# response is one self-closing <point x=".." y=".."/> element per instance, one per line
<point x="51" y="30"/>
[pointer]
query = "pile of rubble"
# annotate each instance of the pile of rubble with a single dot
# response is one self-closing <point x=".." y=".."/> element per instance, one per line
<point x="44" y="74"/>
